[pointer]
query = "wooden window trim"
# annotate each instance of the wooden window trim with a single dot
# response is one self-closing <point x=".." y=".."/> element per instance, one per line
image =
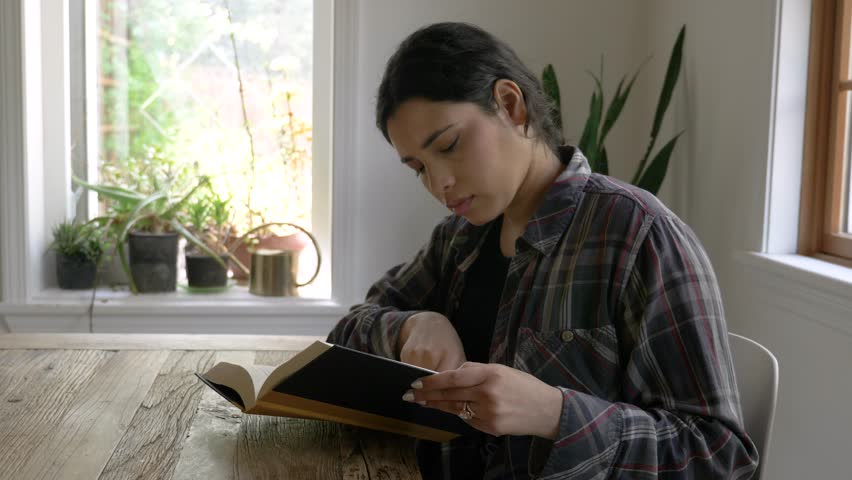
<point x="824" y="172"/>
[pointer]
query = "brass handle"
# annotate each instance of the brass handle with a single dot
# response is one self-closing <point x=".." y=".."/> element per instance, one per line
<point x="270" y="224"/>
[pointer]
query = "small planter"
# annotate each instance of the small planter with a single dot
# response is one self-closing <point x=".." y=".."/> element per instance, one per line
<point x="74" y="273"/>
<point x="153" y="261"/>
<point x="204" y="271"/>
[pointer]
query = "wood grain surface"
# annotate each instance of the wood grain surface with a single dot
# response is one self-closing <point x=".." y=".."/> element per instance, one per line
<point x="123" y="408"/>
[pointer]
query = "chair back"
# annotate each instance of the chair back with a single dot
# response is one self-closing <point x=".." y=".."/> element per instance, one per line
<point x="757" y="380"/>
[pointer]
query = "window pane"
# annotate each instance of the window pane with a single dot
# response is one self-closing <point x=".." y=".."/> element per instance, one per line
<point x="220" y="88"/>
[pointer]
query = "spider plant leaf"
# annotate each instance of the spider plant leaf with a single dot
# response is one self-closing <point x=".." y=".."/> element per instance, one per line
<point x="121" y="195"/>
<point x="136" y="214"/>
<point x="177" y="206"/>
<point x="124" y="266"/>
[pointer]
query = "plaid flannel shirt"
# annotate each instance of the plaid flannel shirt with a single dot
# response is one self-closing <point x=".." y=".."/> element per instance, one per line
<point x="611" y="298"/>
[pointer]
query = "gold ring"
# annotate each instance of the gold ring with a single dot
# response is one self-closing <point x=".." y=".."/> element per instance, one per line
<point x="466" y="413"/>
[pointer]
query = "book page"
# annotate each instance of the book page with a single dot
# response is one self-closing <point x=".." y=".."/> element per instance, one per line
<point x="258" y="374"/>
<point x="235" y="377"/>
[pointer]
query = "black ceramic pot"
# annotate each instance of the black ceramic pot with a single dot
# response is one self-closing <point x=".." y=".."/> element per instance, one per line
<point x="204" y="271"/>
<point x="153" y="261"/>
<point x="75" y="273"/>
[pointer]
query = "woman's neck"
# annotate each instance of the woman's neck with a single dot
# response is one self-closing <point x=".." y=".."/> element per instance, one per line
<point x="544" y="167"/>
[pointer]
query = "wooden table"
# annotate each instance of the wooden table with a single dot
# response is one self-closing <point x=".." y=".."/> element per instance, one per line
<point x="99" y="406"/>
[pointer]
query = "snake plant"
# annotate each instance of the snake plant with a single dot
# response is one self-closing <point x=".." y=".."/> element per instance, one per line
<point x="600" y="121"/>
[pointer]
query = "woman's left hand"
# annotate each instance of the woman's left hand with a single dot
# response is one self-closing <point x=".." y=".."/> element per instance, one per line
<point x="504" y="401"/>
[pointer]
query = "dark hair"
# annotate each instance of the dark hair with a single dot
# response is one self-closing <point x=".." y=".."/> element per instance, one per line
<point x="460" y="62"/>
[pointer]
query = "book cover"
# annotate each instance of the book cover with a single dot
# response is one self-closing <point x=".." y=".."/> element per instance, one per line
<point x="351" y="387"/>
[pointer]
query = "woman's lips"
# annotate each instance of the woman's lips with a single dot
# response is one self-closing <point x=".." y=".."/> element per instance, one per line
<point x="460" y="207"/>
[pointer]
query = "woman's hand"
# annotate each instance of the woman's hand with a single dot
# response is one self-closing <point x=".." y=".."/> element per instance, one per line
<point x="429" y="340"/>
<point x="504" y="401"/>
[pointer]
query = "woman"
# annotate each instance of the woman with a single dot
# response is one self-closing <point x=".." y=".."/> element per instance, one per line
<point x="573" y="319"/>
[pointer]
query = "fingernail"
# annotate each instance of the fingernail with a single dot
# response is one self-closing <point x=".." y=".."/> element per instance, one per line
<point x="417" y="384"/>
<point x="409" y="396"/>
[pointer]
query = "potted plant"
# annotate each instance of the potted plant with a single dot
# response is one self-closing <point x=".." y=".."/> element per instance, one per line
<point x="210" y="221"/>
<point x="600" y="121"/>
<point x="78" y="251"/>
<point x="150" y="225"/>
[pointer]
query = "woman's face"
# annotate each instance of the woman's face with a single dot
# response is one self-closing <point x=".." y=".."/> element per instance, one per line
<point x="471" y="161"/>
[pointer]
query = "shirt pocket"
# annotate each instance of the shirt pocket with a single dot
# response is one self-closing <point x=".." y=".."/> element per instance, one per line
<point x="582" y="359"/>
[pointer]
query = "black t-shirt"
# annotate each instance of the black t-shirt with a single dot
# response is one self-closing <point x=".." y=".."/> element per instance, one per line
<point x="474" y="321"/>
<point x="483" y="286"/>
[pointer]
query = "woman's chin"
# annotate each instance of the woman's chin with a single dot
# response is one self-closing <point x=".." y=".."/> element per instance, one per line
<point x="479" y="219"/>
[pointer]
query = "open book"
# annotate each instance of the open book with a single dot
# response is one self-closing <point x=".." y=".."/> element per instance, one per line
<point x="332" y="382"/>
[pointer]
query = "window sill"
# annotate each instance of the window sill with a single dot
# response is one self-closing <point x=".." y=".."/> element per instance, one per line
<point x="823" y="275"/>
<point x="805" y="286"/>
<point x="233" y="311"/>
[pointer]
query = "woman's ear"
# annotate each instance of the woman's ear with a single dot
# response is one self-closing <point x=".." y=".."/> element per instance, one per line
<point x="510" y="99"/>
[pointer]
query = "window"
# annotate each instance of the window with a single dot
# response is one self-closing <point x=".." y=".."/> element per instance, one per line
<point x="214" y="88"/>
<point x="826" y="207"/>
<point x="45" y="99"/>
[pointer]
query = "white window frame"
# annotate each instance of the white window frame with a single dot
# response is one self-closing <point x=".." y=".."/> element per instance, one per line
<point x="35" y="106"/>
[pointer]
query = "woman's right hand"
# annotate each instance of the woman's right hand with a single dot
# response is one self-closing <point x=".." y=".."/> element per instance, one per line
<point x="429" y="340"/>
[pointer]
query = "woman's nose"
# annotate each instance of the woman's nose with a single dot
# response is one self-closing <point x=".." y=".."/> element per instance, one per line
<point x="442" y="179"/>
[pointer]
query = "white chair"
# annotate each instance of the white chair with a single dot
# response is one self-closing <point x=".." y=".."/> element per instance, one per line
<point x="757" y="380"/>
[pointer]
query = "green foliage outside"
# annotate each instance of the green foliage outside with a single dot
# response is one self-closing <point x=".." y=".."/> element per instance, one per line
<point x="173" y="89"/>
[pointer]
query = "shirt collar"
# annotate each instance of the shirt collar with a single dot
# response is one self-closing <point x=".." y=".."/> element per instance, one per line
<point x="560" y="202"/>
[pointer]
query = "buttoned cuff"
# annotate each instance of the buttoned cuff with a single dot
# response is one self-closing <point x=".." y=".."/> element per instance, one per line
<point x="588" y="438"/>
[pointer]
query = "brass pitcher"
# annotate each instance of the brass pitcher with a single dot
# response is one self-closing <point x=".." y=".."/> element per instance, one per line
<point x="273" y="272"/>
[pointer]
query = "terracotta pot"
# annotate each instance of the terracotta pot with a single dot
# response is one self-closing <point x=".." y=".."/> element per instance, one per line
<point x="295" y="242"/>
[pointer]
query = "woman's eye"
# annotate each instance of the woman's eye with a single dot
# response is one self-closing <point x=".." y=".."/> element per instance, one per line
<point x="419" y="171"/>
<point x="451" y="146"/>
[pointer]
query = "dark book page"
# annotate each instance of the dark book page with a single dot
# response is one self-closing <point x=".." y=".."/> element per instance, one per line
<point x="229" y="393"/>
<point x="236" y="378"/>
<point x="368" y="383"/>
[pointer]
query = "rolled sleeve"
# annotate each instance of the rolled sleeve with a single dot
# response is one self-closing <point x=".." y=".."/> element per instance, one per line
<point x="406" y="289"/>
